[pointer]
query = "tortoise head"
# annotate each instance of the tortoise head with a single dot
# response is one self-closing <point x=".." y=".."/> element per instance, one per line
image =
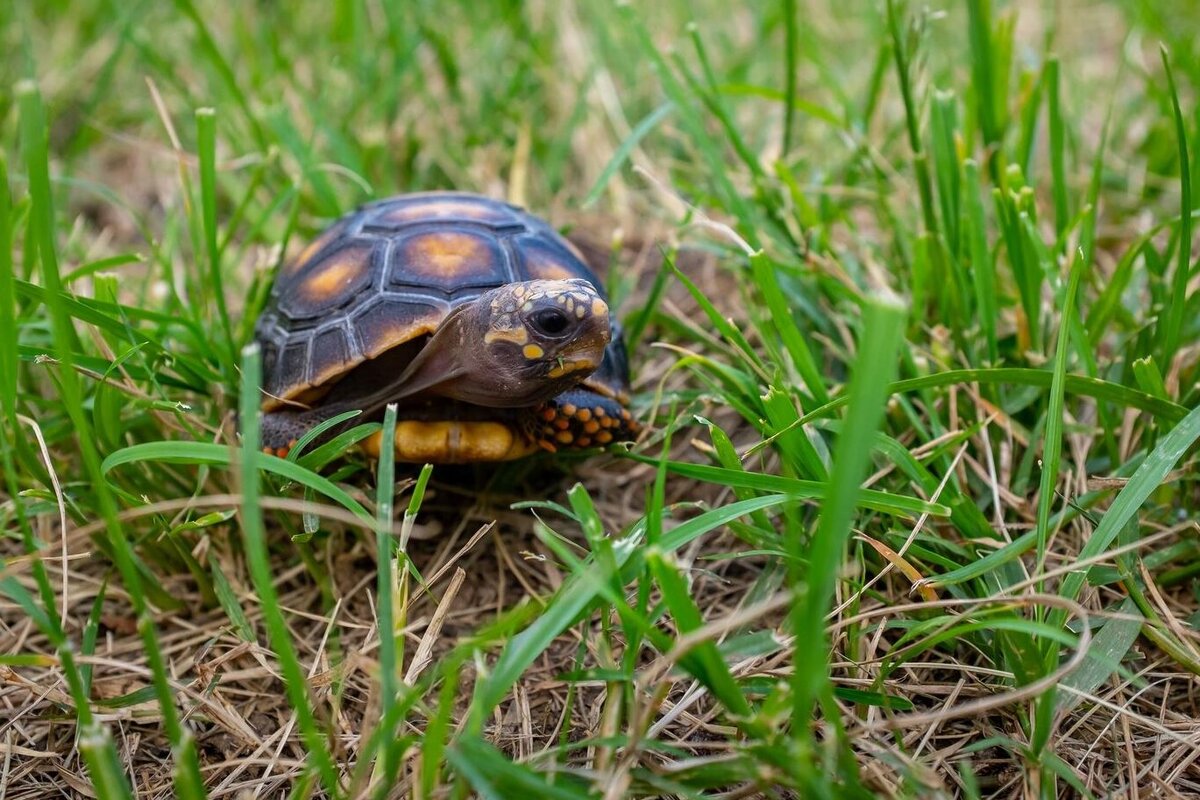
<point x="517" y="345"/>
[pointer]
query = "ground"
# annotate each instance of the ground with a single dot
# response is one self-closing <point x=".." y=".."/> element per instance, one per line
<point x="910" y="293"/>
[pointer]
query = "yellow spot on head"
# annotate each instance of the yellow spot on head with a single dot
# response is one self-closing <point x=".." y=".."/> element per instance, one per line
<point x="532" y="352"/>
<point x="565" y="367"/>
<point x="599" y="307"/>
<point x="580" y="312"/>
<point x="517" y="335"/>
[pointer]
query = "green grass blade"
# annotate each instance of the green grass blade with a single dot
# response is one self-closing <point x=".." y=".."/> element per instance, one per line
<point x="901" y="53"/>
<point x="257" y="559"/>
<point x="206" y="153"/>
<point x="213" y="55"/>
<point x="783" y="321"/>
<point x="9" y="337"/>
<point x="703" y="661"/>
<point x="790" y="46"/>
<point x="1170" y="332"/>
<point x="944" y="131"/>
<point x="1053" y="435"/>
<point x="1146" y="373"/>
<point x="983" y="68"/>
<point x="389" y="667"/>
<point x="624" y="150"/>
<point x="495" y="777"/>
<point x="882" y="336"/>
<point x="1105" y="653"/>
<point x="214" y="454"/>
<point x="1058" y="169"/>
<point x="815" y="490"/>
<point x="230" y="604"/>
<point x="1080" y="385"/>
<point x="983" y="270"/>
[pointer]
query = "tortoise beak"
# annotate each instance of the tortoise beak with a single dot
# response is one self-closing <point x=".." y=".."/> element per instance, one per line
<point x="584" y="355"/>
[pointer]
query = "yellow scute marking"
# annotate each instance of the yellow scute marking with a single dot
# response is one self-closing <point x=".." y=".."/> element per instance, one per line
<point x="445" y="254"/>
<point x="314" y="247"/>
<point x="332" y="276"/>
<point x="449" y="442"/>
<point x="552" y="271"/>
<point x="442" y="209"/>
<point x="305" y="255"/>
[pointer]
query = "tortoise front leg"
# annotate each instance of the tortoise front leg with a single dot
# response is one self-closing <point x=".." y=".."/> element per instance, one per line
<point x="580" y="419"/>
<point x="280" y="430"/>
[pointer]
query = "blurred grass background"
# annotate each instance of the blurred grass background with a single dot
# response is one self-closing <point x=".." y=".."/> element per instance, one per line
<point x="945" y="250"/>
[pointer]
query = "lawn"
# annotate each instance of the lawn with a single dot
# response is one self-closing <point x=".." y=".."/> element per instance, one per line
<point x="910" y="294"/>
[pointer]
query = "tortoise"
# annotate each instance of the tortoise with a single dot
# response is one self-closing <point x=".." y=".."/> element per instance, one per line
<point x="482" y="323"/>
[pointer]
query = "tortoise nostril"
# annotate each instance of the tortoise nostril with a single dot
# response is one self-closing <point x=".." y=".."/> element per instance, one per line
<point x="550" y="321"/>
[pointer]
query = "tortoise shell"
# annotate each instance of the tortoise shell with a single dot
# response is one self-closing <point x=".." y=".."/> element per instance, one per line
<point x="389" y="273"/>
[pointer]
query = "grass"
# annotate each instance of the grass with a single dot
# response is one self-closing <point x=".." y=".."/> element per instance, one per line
<point x="912" y="294"/>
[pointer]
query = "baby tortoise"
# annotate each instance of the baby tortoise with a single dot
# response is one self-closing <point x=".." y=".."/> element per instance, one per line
<point x="483" y="324"/>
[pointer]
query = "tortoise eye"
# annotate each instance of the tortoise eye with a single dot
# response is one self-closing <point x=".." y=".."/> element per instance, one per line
<point x="550" y="322"/>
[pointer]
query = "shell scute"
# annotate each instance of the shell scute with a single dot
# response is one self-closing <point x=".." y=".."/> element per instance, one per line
<point x="439" y="207"/>
<point x="449" y="259"/>
<point x="331" y="281"/>
<point x="392" y="320"/>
